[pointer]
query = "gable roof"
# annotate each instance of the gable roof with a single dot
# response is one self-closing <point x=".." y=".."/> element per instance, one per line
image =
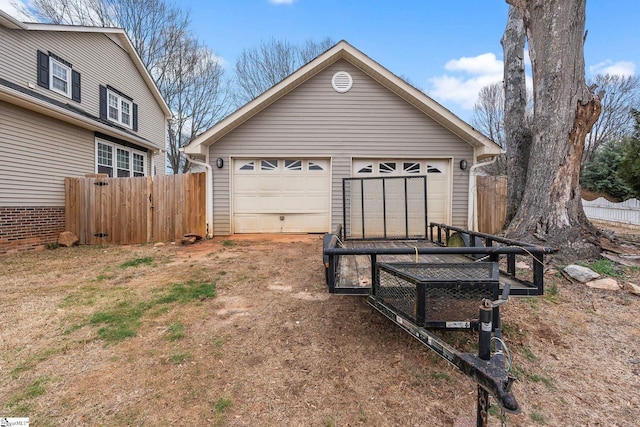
<point x="343" y="50"/>
<point x="10" y="22"/>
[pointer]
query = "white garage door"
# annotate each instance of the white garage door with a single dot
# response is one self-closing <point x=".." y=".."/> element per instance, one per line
<point x="438" y="183"/>
<point x="281" y="195"/>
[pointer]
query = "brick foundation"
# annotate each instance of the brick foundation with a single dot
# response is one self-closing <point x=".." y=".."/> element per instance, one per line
<point x="29" y="228"/>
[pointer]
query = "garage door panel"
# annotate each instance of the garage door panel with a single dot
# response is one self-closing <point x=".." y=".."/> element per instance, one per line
<point x="292" y="196"/>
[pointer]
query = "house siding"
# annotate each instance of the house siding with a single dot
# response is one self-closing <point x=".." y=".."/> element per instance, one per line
<point x="315" y="121"/>
<point x="98" y="58"/>
<point x="36" y="154"/>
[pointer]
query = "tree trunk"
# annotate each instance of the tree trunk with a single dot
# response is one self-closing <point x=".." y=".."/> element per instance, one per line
<point x="564" y="112"/>
<point x="517" y="130"/>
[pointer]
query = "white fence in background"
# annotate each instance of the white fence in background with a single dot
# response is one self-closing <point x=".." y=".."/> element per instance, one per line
<point x="626" y="213"/>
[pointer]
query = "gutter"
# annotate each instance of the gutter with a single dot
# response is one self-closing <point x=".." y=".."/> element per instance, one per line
<point x="208" y="189"/>
<point x="472" y="209"/>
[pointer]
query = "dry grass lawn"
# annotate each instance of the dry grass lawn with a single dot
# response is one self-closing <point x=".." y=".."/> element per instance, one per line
<point x="242" y="332"/>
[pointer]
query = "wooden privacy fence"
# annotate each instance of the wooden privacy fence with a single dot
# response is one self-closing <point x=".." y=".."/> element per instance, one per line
<point x="492" y="203"/>
<point x="135" y="210"/>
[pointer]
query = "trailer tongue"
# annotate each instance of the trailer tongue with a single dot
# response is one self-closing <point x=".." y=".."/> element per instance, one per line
<point x="422" y="285"/>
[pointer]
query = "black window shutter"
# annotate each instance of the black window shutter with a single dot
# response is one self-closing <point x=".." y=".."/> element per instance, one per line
<point x="43" y="69"/>
<point x="75" y="85"/>
<point x="103" y="102"/>
<point x="135" y="117"/>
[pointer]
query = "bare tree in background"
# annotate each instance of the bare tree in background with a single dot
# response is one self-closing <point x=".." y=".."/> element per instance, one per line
<point x="620" y="95"/>
<point x="488" y="112"/>
<point x="565" y="109"/>
<point x="259" y="68"/>
<point x="188" y="75"/>
<point x="197" y="96"/>
<point x="94" y="13"/>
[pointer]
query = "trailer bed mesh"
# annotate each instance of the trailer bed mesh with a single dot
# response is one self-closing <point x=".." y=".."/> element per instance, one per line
<point x="437" y="295"/>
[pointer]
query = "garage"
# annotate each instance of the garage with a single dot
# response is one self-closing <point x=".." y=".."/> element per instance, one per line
<point x="281" y="195"/>
<point x="437" y="172"/>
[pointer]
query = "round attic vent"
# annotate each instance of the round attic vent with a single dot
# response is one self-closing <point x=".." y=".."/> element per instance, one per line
<point x="341" y="81"/>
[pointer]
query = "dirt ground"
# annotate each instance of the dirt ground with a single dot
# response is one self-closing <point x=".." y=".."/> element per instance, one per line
<point x="273" y="348"/>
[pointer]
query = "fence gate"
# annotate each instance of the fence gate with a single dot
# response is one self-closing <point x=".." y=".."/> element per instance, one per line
<point x="135" y="210"/>
<point x="385" y="207"/>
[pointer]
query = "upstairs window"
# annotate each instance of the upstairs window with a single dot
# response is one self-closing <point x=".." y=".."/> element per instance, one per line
<point x="58" y="75"/>
<point x="118" y="108"/>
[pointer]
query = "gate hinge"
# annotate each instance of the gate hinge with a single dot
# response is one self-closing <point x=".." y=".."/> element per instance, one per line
<point x="100" y="183"/>
<point x="101" y="235"/>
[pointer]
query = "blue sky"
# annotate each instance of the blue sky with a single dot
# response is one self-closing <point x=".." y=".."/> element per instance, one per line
<point x="448" y="49"/>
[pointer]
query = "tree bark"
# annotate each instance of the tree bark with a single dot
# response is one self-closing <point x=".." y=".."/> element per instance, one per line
<point x="516" y="126"/>
<point x="564" y="112"/>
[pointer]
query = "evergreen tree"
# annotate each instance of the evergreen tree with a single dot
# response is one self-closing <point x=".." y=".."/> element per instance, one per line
<point x="630" y="164"/>
<point x="600" y="175"/>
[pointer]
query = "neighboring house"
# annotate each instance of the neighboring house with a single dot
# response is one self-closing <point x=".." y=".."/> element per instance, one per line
<point x="278" y="162"/>
<point x="73" y="101"/>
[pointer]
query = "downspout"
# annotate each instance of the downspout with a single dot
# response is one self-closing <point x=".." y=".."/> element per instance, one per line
<point x="472" y="208"/>
<point x="209" y="190"/>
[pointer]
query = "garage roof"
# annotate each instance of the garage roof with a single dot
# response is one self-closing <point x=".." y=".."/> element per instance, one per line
<point x="343" y="50"/>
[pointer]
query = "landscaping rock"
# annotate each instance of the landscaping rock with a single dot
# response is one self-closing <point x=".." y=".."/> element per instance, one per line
<point x="67" y="239"/>
<point x="159" y="244"/>
<point x="608" y="284"/>
<point x="633" y="289"/>
<point x="522" y="265"/>
<point x="189" y="240"/>
<point x="580" y="273"/>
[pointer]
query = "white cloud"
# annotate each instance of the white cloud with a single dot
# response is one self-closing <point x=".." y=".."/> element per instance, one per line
<point x="471" y="75"/>
<point x="281" y="1"/>
<point x="623" y="68"/>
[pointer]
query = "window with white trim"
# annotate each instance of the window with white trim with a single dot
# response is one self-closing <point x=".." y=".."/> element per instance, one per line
<point x="387" y="167"/>
<point x="293" y="165"/>
<point x="60" y="77"/>
<point x="119" y="108"/>
<point x="269" y="165"/>
<point x="119" y="161"/>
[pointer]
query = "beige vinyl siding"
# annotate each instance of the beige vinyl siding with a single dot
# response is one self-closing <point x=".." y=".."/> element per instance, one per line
<point x="98" y="59"/>
<point x="314" y="120"/>
<point x="36" y="154"/>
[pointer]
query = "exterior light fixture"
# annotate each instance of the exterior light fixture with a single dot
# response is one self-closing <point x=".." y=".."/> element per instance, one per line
<point x="219" y="162"/>
<point x="463" y="164"/>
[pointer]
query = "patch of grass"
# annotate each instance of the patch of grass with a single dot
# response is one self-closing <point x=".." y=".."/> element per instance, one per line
<point x="362" y="415"/>
<point x="544" y="380"/>
<point x="123" y="320"/>
<point x="329" y="421"/>
<point x="176" y="331"/>
<point x="52" y="246"/>
<point x="604" y="267"/>
<point x="185" y="292"/>
<point x="494" y="410"/>
<point x="228" y="243"/>
<point x="552" y="293"/>
<point x="441" y="376"/>
<point x="528" y="353"/>
<point x="35" y="389"/>
<point x="537" y="418"/>
<point x="147" y="260"/>
<point x="179" y="358"/>
<point x="32" y="361"/>
<point x="220" y="407"/>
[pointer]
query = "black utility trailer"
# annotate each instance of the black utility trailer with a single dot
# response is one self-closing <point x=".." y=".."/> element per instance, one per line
<point x="424" y="276"/>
